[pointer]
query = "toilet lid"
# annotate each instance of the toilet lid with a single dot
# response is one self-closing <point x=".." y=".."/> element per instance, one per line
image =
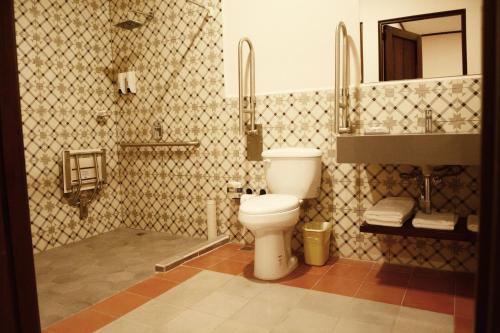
<point x="269" y="204"/>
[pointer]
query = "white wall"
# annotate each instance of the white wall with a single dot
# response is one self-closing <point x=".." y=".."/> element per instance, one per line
<point x="442" y="55"/>
<point x="372" y="11"/>
<point x="293" y="40"/>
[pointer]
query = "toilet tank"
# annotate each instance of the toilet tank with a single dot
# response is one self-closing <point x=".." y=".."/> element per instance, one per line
<point x="295" y="171"/>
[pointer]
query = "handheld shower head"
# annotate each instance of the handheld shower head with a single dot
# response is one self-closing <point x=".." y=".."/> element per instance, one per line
<point x="135" y="21"/>
<point x="209" y="10"/>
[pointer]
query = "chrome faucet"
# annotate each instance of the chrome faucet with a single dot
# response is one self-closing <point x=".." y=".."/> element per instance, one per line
<point x="341" y="90"/>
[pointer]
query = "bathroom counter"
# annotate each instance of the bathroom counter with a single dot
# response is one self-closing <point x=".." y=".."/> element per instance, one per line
<point x="461" y="233"/>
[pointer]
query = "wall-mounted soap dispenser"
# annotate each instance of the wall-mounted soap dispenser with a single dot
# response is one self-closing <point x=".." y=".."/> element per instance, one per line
<point x="131" y="82"/>
<point x="122" y="84"/>
<point x="127" y="83"/>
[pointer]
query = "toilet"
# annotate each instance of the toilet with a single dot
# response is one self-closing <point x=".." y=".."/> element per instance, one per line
<point x="292" y="174"/>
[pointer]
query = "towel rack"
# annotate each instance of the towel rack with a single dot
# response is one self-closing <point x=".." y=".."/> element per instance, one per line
<point x="161" y="144"/>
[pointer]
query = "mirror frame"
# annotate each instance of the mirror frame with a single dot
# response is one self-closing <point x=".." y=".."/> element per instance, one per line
<point x="456" y="12"/>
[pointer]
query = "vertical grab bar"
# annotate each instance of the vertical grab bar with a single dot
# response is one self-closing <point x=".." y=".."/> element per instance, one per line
<point x="246" y="103"/>
<point x="341" y="90"/>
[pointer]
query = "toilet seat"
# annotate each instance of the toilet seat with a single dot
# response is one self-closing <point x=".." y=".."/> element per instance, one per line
<point x="270" y="211"/>
<point x="270" y="221"/>
<point x="269" y="204"/>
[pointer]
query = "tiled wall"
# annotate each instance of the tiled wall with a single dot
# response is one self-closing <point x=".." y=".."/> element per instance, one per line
<point x="65" y="61"/>
<point x="178" y="57"/>
<point x="70" y="51"/>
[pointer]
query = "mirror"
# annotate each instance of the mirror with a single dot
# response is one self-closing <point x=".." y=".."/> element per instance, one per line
<point x="419" y="39"/>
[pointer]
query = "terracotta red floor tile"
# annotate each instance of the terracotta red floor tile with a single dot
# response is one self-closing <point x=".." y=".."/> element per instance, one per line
<point x="433" y="284"/>
<point x="390" y="277"/>
<point x="353" y="272"/>
<point x="389" y="268"/>
<point x="233" y="246"/>
<point x="337" y="285"/>
<point x="225" y="251"/>
<point x="229" y="267"/>
<point x="314" y="270"/>
<point x="381" y="293"/>
<point x="204" y="261"/>
<point x="353" y="262"/>
<point x="300" y="280"/>
<point x="243" y="256"/>
<point x="464" y="284"/>
<point x="152" y="287"/>
<point x="83" y="322"/>
<point x="464" y="325"/>
<point x="429" y="300"/>
<point x="464" y="307"/>
<point x="179" y="274"/>
<point x="433" y="273"/>
<point x="248" y="271"/>
<point x="120" y="304"/>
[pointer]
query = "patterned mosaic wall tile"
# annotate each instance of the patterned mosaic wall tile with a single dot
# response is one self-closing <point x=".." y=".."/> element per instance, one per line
<point x="178" y="57"/>
<point x="64" y="54"/>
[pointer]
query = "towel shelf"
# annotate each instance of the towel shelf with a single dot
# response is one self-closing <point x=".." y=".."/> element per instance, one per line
<point x="161" y="144"/>
<point x="460" y="233"/>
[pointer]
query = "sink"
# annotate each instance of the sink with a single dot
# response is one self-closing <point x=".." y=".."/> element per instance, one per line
<point x="413" y="149"/>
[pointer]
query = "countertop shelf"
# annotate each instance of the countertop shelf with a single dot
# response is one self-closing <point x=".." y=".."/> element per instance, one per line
<point x="461" y="233"/>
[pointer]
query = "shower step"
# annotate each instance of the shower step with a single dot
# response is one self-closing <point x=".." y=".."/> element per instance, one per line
<point x="178" y="259"/>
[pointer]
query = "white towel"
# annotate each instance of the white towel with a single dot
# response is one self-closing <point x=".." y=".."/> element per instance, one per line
<point x="385" y="223"/>
<point x="438" y="221"/>
<point x="390" y="211"/>
<point x="473" y="223"/>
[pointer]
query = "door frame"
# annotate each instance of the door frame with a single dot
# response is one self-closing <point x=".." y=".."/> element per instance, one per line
<point x="488" y="280"/>
<point x="18" y="296"/>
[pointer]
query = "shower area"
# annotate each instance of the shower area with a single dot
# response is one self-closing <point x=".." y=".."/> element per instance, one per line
<point x="126" y="80"/>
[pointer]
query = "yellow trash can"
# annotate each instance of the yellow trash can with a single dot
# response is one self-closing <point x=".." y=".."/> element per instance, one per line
<point x="316" y="242"/>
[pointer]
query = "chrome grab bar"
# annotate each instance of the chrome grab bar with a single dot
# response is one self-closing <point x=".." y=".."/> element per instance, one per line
<point x="341" y="90"/>
<point x="161" y="144"/>
<point x="246" y="103"/>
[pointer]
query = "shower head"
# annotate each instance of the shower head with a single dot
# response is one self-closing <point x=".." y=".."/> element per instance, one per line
<point x="129" y="24"/>
<point x="138" y="20"/>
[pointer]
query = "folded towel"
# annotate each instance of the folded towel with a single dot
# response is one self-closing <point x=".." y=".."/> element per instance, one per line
<point x="438" y="221"/>
<point x="385" y="223"/>
<point x="390" y="210"/>
<point x="473" y="223"/>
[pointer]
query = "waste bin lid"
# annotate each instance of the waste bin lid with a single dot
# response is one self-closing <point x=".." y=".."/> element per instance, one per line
<point x="317" y="226"/>
<point x="269" y="203"/>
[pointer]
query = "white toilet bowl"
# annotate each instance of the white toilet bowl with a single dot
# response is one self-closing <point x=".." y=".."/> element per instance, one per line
<point x="271" y="218"/>
<point x="292" y="174"/>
